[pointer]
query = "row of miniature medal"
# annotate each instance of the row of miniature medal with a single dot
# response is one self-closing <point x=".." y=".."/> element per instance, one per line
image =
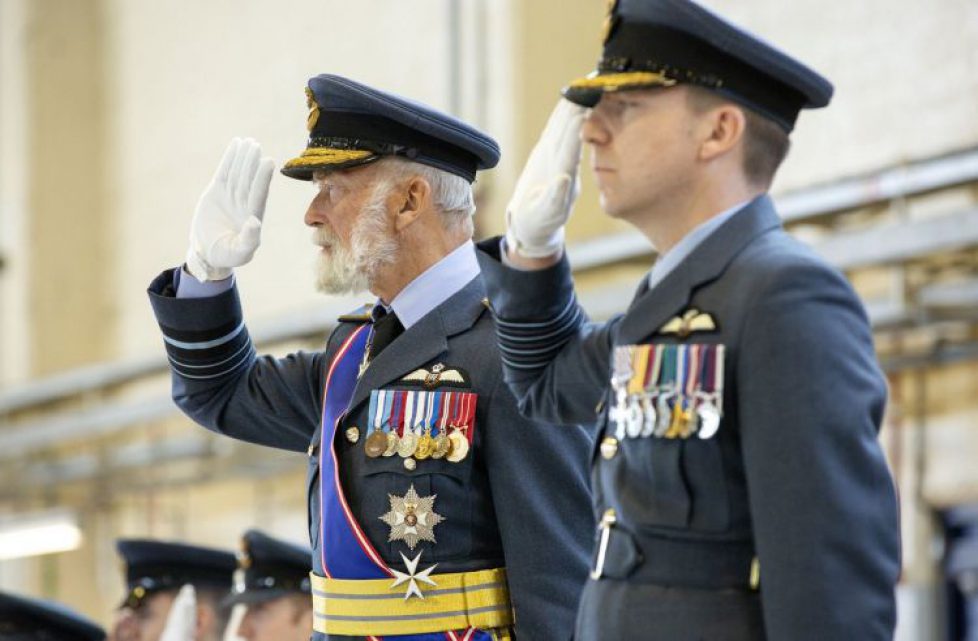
<point x="420" y="424"/>
<point x="667" y="391"/>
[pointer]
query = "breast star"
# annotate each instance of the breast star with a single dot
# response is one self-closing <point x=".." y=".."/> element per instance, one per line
<point x="412" y="518"/>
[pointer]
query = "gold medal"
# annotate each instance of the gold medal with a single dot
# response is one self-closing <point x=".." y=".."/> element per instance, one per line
<point x="675" y="425"/>
<point x="376" y="444"/>
<point x="392" y="442"/>
<point x="407" y="445"/>
<point x="460" y="446"/>
<point x="442" y="446"/>
<point x="425" y="448"/>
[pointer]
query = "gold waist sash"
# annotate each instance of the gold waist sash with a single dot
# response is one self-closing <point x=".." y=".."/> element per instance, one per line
<point x="372" y="607"/>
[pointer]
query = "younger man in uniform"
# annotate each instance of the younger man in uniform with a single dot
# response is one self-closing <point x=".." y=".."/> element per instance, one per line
<point x="741" y="489"/>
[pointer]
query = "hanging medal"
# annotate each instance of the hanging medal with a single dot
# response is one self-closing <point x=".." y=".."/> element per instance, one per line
<point x="426" y="443"/>
<point x="710" y="410"/>
<point x="636" y="385"/>
<point x="442" y="443"/>
<point x="689" y="417"/>
<point x="392" y="419"/>
<point x="676" y="418"/>
<point x="409" y="440"/>
<point x="620" y="377"/>
<point x="651" y="387"/>
<point x="376" y="442"/>
<point x="666" y="390"/>
<point x="460" y="426"/>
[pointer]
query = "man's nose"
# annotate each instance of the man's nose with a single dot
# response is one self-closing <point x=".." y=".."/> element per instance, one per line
<point x="594" y="131"/>
<point x="315" y="213"/>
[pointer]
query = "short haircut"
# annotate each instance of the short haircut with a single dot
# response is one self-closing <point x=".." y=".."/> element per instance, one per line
<point x="451" y="194"/>
<point x="766" y="144"/>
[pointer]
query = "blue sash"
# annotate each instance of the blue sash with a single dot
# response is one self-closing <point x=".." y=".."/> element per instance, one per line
<point x="346" y="553"/>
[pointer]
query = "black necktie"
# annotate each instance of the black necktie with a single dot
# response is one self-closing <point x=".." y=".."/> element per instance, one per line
<point x="387" y="327"/>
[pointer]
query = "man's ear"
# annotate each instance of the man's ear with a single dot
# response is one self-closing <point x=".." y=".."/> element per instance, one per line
<point x="722" y="128"/>
<point x="416" y="200"/>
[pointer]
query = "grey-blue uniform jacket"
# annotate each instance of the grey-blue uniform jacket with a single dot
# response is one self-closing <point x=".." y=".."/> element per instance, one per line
<point x="795" y="475"/>
<point x="519" y="500"/>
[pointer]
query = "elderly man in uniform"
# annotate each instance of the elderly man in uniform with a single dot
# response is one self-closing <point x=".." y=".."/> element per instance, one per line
<point x="273" y="583"/>
<point x="27" y="619"/>
<point x="156" y="571"/>
<point x="435" y="510"/>
<point x="741" y="489"/>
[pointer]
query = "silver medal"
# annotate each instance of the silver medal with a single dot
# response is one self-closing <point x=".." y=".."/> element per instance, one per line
<point x="636" y="417"/>
<point x="709" y="419"/>
<point x="648" y="405"/>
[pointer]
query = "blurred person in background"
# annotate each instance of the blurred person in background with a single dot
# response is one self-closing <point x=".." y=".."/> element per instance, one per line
<point x="155" y="573"/>
<point x="273" y="584"/>
<point x="27" y="619"/>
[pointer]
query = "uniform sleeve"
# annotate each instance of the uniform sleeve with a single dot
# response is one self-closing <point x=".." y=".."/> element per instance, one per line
<point x="810" y="400"/>
<point x="554" y="360"/>
<point x="220" y="382"/>
<point x="539" y="484"/>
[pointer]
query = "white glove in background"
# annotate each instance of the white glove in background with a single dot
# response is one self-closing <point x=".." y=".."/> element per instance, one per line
<point x="547" y="188"/>
<point x="226" y="228"/>
<point x="181" y="622"/>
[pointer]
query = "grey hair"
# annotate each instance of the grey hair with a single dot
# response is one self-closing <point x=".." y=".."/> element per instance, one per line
<point x="451" y="194"/>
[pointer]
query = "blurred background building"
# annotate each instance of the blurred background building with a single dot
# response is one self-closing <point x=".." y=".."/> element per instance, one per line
<point x="114" y="113"/>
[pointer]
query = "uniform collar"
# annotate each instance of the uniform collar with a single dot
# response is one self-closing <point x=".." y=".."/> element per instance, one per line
<point x="669" y="260"/>
<point x="436" y="284"/>
<point x="652" y="307"/>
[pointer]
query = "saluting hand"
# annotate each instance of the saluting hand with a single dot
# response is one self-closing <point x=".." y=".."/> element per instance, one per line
<point x="181" y="622"/>
<point x="547" y="188"/>
<point x="226" y="228"/>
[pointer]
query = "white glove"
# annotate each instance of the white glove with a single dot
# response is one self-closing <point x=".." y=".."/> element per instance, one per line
<point x="548" y="186"/>
<point x="226" y="229"/>
<point x="181" y="622"/>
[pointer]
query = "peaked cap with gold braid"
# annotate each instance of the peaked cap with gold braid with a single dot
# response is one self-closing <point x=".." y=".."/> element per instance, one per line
<point x="351" y="124"/>
<point x="661" y="43"/>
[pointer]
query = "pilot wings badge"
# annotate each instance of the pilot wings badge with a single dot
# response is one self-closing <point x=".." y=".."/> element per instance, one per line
<point x="436" y="376"/>
<point x="693" y="320"/>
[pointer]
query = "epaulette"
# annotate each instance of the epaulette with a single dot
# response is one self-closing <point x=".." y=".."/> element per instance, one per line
<point x="359" y="315"/>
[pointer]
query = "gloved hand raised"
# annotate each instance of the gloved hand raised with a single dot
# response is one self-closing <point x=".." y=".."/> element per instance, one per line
<point x="181" y="622"/>
<point x="226" y="228"/>
<point x="547" y="188"/>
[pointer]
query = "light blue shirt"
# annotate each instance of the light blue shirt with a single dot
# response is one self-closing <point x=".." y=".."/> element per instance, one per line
<point x="668" y="261"/>
<point x="433" y="287"/>
<point x="436" y="284"/>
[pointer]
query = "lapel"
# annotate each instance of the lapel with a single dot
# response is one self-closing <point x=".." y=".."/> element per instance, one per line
<point x="650" y="309"/>
<point x="423" y="341"/>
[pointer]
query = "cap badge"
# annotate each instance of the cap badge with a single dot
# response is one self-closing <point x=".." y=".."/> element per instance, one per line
<point x="313" y="116"/>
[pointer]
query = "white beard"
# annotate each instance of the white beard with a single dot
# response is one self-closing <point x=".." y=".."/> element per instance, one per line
<point x="347" y="270"/>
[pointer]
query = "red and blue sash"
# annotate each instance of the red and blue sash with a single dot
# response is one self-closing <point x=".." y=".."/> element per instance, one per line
<point x="346" y="553"/>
